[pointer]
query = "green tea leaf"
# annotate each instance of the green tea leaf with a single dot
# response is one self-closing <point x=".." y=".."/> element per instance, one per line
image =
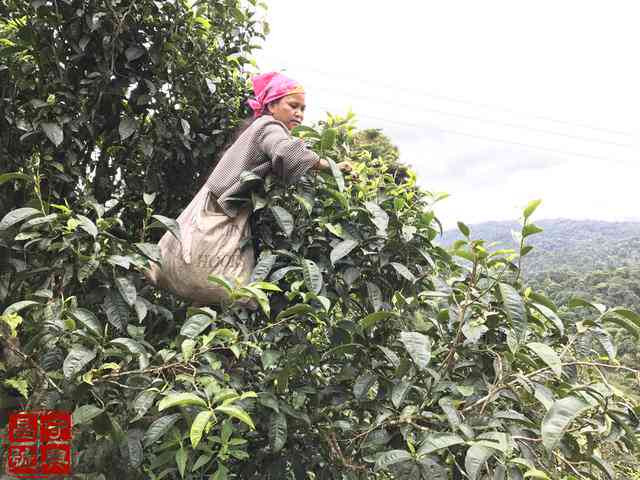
<point x="85" y="413"/>
<point x="169" y="223"/>
<point x="16" y="216"/>
<point x="580" y="302"/>
<point x="380" y="218"/>
<point x="281" y="272"/>
<point x="143" y="402"/>
<point x="391" y="457"/>
<point x="79" y="356"/>
<point x="198" y="426"/>
<point x="603" y="466"/>
<point x="370" y="320"/>
<point x="558" y="419"/>
<point x="312" y="276"/>
<point x="18" y="384"/>
<point x="117" y="310"/>
<point x="133" y="53"/>
<point x="87" y="269"/>
<point x="548" y="355"/>
<point x="399" y="393"/>
<point x="375" y="295"/>
<point x="149" y="250"/>
<point x="129" y="344"/>
<point x="221" y="281"/>
<point x="403" y="271"/>
<point x="284" y="219"/>
<point x="7" y="177"/>
<point x="135" y="452"/>
<point x="88" y="226"/>
<point x="341" y="250"/>
<point x="127" y="289"/>
<point x="126" y="128"/>
<point x="530" y="208"/>
<point x="464" y="229"/>
<point x="476" y="457"/>
<point x="277" y="431"/>
<point x="363" y="384"/>
<point x="550" y="315"/>
<point x="263" y="268"/>
<point x="437" y="441"/>
<point x="531" y="229"/>
<point x="54" y="132"/>
<point x="236" y="412"/>
<point x="186" y="347"/>
<point x="19" y="306"/>
<point x="337" y="175"/>
<point x="295" y="310"/>
<point x="180" y="399"/>
<point x="515" y="310"/>
<point x="328" y="140"/>
<point x="181" y="460"/>
<point x="418" y="346"/>
<point x="195" y="325"/>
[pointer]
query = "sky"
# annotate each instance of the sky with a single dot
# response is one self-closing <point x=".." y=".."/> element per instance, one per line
<point x="495" y="102"/>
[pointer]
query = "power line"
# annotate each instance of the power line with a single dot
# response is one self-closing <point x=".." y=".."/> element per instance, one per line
<point x="481" y="137"/>
<point x="396" y="88"/>
<point x="481" y="119"/>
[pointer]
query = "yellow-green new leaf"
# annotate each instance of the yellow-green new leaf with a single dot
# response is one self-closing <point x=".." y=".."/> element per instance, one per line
<point x="236" y="412"/>
<point x="198" y="426"/>
<point x="180" y="399"/>
<point x="531" y="207"/>
<point x="223" y="282"/>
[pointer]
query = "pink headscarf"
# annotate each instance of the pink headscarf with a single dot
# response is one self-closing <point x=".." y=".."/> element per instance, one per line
<point x="271" y="86"/>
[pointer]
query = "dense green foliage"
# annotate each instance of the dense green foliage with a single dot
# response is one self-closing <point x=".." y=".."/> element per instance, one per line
<point x="373" y="353"/>
<point x="587" y="259"/>
<point x="583" y="259"/>
<point x="578" y="246"/>
<point x="127" y="95"/>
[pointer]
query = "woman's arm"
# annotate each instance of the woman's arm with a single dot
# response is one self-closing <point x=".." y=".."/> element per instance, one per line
<point x="290" y="157"/>
<point x="322" y="164"/>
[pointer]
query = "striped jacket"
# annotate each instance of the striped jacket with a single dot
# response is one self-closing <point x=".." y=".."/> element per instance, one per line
<point x="266" y="146"/>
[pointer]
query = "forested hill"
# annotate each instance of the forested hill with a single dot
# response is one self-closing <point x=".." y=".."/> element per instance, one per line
<point x="579" y="246"/>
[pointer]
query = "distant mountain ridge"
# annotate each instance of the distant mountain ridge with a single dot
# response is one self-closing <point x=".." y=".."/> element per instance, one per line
<point x="565" y="244"/>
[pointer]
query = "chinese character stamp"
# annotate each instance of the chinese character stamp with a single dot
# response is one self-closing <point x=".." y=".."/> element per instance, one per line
<point x="39" y="444"/>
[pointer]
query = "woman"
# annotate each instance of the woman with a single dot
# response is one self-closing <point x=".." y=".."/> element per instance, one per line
<point x="265" y="145"/>
<point x="214" y="228"/>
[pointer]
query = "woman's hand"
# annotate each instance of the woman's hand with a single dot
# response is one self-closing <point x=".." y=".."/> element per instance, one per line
<point x="345" y="167"/>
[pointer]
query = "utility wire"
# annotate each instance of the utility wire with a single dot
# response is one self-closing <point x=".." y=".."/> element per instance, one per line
<point x="418" y="92"/>
<point x="480" y="119"/>
<point x="481" y="137"/>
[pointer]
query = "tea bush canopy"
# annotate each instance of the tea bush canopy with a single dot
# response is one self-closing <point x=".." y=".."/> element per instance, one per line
<point x="373" y="352"/>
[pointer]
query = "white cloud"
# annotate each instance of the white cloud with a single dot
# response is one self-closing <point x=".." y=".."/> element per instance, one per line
<point x="446" y="80"/>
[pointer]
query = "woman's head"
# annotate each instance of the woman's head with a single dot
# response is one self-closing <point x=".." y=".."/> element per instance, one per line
<point x="279" y="96"/>
<point x="288" y="110"/>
